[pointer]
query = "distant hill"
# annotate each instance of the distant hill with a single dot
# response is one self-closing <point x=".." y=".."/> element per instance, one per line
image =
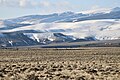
<point x="60" y="27"/>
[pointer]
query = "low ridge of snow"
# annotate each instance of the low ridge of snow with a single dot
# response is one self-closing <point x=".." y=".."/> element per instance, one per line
<point x="94" y="11"/>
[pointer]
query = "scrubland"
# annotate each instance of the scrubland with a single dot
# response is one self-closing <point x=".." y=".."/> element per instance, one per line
<point x="101" y="63"/>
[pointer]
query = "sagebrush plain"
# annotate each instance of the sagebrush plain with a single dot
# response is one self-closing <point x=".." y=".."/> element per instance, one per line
<point x="101" y="63"/>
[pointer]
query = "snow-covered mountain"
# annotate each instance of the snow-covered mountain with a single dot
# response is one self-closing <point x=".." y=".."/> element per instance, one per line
<point x="60" y="27"/>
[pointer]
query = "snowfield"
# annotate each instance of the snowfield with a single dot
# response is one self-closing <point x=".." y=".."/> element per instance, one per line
<point x="104" y="29"/>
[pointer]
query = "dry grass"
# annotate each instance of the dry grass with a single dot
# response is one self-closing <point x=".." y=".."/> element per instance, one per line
<point x="60" y="64"/>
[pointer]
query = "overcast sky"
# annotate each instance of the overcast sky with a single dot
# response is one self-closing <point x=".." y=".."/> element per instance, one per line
<point x="16" y="8"/>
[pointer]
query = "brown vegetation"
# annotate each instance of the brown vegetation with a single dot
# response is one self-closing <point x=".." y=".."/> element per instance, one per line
<point x="60" y="64"/>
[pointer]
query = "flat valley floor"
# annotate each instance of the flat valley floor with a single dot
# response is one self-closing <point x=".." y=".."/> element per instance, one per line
<point x="96" y="63"/>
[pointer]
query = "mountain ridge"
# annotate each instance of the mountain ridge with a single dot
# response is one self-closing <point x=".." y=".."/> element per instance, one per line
<point x="60" y="27"/>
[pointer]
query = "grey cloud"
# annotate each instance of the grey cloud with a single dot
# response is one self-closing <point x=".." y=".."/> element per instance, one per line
<point x="24" y="3"/>
<point x="32" y="3"/>
<point x="44" y="6"/>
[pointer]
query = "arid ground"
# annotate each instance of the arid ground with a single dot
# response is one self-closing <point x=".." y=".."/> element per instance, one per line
<point x="101" y="63"/>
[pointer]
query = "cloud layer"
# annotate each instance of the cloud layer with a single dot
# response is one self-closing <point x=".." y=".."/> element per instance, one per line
<point x="32" y="3"/>
<point x="44" y="6"/>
